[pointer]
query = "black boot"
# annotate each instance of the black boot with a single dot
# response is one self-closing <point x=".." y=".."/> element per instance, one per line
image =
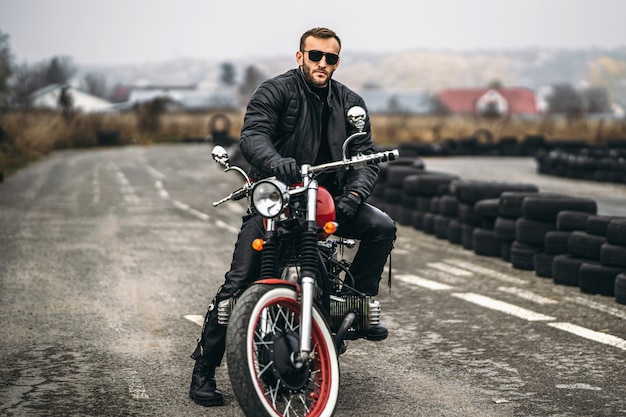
<point x="376" y="333"/>
<point x="203" y="389"/>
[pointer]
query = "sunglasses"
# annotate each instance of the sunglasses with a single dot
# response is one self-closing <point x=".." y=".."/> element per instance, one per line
<point x="316" y="56"/>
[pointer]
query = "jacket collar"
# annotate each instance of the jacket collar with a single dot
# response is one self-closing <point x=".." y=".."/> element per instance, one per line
<point x="308" y="86"/>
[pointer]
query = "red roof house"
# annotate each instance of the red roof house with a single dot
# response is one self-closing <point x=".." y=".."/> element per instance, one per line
<point x="498" y="101"/>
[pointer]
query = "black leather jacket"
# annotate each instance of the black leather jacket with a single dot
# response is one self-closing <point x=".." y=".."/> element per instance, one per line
<point x="284" y="119"/>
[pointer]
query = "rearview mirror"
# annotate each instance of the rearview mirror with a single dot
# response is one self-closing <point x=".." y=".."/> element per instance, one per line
<point x="356" y="117"/>
<point x="220" y="156"/>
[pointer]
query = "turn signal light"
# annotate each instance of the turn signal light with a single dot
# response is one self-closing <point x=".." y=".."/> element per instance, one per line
<point x="330" y="227"/>
<point x="257" y="244"/>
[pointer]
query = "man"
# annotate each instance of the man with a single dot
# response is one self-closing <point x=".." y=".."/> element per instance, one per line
<point x="296" y="118"/>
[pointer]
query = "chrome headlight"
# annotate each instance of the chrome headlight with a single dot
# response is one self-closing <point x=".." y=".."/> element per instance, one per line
<point x="269" y="197"/>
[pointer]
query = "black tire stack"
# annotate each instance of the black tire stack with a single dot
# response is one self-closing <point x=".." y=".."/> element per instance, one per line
<point x="426" y="191"/>
<point x="594" y="277"/>
<point x="580" y="161"/>
<point x="620" y="288"/>
<point x="612" y="280"/>
<point x="485" y="242"/>
<point x="447" y="207"/>
<point x="509" y="210"/>
<point x="539" y="216"/>
<point x="470" y="194"/>
<point x="556" y="241"/>
<point x="388" y="193"/>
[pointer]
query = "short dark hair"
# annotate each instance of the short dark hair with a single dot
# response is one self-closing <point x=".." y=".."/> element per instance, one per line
<point x="322" y="33"/>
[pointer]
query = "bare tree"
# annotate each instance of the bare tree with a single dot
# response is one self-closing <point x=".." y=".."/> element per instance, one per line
<point x="26" y="79"/>
<point x="438" y="108"/>
<point x="59" y="70"/>
<point x="95" y="84"/>
<point x="149" y="114"/>
<point x="597" y="100"/>
<point x="251" y="79"/>
<point x="29" y="78"/>
<point x="228" y="75"/>
<point x="567" y="100"/>
<point x="6" y="68"/>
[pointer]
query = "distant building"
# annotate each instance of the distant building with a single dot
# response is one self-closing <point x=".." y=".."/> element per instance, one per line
<point x="50" y="97"/>
<point x="487" y="101"/>
<point x="383" y="101"/>
<point x="185" y="97"/>
<point x="618" y="111"/>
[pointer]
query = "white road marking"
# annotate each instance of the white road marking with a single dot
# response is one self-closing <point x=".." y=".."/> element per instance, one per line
<point x="155" y="172"/>
<point x="225" y="226"/>
<point x="500" y="400"/>
<point x="162" y="191"/>
<point x="95" y="184"/>
<point x="135" y="386"/>
<point x="184" y="207"/>
<point x="523" y="313"/>
<point x="598" y="306"/>
<point x="180" y="205"/>
<point x="237" y="208"/>
<point x="578" y="385"/>
<point x="121" y="178"/>
<point x="527" y="295"/>
<point x="158" y="184"/>
<point x="600" y="337"/>
<point x="195" y="318"/>
<point x="132" y="199"/>
<point x="202" y="216"/>
<point x="503" y="307"/>
<point x="486" y="271"/>
<point x="398" y="251"/>
<point x="130" y="196"/>
<point x="421" y="282"/>
<point x="450" y="269"/>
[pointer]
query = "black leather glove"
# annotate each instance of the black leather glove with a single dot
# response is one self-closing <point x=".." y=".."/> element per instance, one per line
<point x="286" y="170"/>
<point x="347" y="206"/>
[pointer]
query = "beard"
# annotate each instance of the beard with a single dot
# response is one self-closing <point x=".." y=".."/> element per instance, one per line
<point x="313" y="76"/>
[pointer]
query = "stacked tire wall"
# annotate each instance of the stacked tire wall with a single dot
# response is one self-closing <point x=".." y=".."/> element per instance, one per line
<point x="557" y="236"/>
<point x="570" y="158"/>
<point x="602" y="164"/>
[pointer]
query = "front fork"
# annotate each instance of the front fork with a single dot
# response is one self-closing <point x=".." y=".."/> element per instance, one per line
<point x="308" y="278"/>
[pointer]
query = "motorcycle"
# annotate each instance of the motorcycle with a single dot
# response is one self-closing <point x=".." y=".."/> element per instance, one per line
<point x="287" y="329"/>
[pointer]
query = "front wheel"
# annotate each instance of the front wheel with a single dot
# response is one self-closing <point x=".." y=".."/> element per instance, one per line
<point x="262" y="334"/>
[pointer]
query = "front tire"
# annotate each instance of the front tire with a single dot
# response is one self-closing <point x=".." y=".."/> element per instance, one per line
<point x="262" y="332"/>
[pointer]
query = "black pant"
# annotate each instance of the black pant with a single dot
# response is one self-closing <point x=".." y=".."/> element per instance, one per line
<point x="375" y="230"/>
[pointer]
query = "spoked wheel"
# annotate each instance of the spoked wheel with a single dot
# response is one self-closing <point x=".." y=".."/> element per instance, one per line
<point x="262" y="335"/>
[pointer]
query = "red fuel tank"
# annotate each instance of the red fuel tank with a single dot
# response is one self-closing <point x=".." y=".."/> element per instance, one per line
<point x="325" y="207"/>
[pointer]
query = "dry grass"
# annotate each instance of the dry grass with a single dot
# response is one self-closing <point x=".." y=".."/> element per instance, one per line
<point x="27" y="136"/>
<point x="30" y="135"/>
<point x="402" y="129"/>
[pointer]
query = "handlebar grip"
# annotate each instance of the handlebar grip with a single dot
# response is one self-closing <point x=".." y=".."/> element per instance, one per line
<point x="235" y="195"/>
<point x="239" y="194"/>
<point x="386" y="156"/>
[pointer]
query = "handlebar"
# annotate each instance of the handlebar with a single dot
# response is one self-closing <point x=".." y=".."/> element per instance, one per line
<point x="377" y="157"/>
<point x="356" y="160"/>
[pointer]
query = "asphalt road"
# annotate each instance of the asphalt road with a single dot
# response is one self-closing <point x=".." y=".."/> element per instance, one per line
<point x="109" y="256"/>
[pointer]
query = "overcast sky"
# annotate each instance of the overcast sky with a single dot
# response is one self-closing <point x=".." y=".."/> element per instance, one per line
<point x="141" y="31"/>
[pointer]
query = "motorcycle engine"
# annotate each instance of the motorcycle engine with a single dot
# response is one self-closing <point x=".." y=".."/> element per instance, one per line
<point x="367" y="310"/>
